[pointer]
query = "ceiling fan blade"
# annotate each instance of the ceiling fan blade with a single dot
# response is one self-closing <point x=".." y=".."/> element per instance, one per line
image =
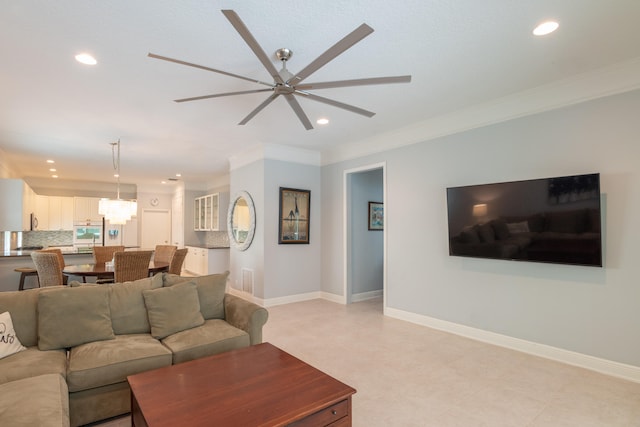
<point x="297" y="108"/>
<point x="259" y="108"/>
<point x="202" y="67"/>
<point x="218" y="95"/>
<point x="338" y="104"/>
<point x="355" y="82"/>
<point x="244" y="32"/>
<point x="349" y="40"/>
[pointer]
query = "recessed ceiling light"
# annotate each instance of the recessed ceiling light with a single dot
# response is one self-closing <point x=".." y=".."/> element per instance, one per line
<point x="50" y="161"/>
<point x="178" y="175"/>
<point x="546" y="28"/>
<point x="322" y="121"/>
<point x="54" y="176"/>
<point x="85" y="58"/>
<point x="163" y="182"/>
<point x="52" y="170"/>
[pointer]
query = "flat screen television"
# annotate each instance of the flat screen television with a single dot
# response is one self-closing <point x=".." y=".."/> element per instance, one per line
<point x="554" y="220"/>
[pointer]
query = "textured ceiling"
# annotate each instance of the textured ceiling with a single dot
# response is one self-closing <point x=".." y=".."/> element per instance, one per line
<point x="460" y="53"/>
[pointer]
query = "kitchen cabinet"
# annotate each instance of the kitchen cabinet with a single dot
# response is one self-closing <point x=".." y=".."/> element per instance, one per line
<point x="210" y="212"/>
<point x="54" y="213"/>
<point x="18" y="203"/>
<point x="85" y="209"/>
<point x="60" y="213"/>
<point x="203" y="261"/>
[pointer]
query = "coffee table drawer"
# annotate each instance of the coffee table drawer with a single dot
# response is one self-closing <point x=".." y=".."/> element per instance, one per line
<point x="326" y="416"/>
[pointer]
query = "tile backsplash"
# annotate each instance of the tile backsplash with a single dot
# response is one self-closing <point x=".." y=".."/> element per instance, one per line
<point x="216" y="238"/>
<point x="47" y="238"/>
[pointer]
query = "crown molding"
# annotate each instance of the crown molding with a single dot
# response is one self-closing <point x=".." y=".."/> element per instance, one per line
<point x="274" y="152"/>
<point x="615" y="79"/>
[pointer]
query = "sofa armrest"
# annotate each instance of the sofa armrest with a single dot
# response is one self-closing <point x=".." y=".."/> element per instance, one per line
<point x="245" y="315"/>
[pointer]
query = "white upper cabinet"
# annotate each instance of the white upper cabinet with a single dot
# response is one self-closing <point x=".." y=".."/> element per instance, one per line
<point x="86" y="209"/>
<point x="210" y="212"/>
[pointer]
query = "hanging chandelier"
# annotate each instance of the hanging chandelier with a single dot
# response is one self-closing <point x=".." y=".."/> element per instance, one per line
<point x="117" y="211"/>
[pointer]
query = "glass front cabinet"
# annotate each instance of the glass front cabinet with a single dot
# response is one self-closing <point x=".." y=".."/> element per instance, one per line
<point x="207" y="213"/>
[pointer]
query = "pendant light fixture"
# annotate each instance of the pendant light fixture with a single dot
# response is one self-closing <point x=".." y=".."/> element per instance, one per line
<point x="117" y="211"/>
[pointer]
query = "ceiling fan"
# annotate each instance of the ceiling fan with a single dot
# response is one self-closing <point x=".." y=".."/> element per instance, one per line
<point x="290" y="85"/>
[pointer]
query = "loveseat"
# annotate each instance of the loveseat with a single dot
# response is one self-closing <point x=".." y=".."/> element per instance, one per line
<point x="82" y="341"/>
<point x="569" y="235"/>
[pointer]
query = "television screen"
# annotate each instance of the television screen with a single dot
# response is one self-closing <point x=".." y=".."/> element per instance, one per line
<point x="554" y="220"/>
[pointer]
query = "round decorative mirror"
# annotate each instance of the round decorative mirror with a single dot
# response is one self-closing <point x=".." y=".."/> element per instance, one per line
<point x="241" y="221"/>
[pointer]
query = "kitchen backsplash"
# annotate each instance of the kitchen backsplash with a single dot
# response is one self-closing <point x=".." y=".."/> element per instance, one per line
<point x="216" y="238"/>
<point x="47" y="238"/>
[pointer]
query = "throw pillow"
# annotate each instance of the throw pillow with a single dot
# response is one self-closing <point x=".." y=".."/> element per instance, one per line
<point x="211" y="290"/>
<point x="128" y="311"/>
<point x="68" y="317"/>
<point x="173" y="309"/>
<point x="486" y="233"/>
<point x="9" y="342"/>
<point x="501" y="229"/>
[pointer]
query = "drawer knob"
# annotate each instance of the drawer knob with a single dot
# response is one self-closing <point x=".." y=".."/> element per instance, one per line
<point x="334" y="412"/>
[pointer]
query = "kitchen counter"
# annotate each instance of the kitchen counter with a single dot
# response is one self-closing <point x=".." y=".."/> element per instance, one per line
<point x="207" y="247"/>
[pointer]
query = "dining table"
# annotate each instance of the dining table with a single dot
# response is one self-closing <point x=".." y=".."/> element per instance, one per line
<point x="105" y="269"/>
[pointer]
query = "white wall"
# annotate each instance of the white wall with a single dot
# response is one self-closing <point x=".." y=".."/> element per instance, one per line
<point x="593" y="311"/>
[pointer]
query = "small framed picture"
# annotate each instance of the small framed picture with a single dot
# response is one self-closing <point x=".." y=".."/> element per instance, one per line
<point x="376" y="216"/>
<point x="294" y="216"/>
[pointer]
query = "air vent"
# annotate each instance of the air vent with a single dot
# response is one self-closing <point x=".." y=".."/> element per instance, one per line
<point x="172" y="179"/>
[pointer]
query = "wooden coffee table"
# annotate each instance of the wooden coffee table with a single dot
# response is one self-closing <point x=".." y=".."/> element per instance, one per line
<point x="259" y="385"/>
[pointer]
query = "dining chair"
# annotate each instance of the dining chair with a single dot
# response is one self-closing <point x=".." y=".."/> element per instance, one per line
<point x="163" y="253"/>
<point x="132" y="265"/>
<point x="48" y="268"/>
<point x="58" y="253"/>
<point x="175" y="266"/>
<point x="103" y="254"/>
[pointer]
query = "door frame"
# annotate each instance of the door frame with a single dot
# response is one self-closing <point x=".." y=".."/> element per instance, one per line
<point x="347" y="224"/>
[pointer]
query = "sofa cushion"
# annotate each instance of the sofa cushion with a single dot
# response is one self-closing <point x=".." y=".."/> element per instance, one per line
<point x="31" y="363"/>
<point x="72" y="316"/>
<point x="211" y="289"/>
<point x="173" y="309"/>
<point x="41" y="401"/>
<point x="469" y="235"/>
<point x="213" y="337"/>
<point x="102" y="363"/>
<point x="566" y="221"/>
<point x="128" y="311"/>
<point x="23" y="306"/>
<point x="9" y="342"/>
<point x="487" y="235"/>
<point x="501" y="229"/>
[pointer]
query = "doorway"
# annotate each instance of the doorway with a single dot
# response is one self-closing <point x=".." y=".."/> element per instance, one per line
<point x="156" y="228"/>
<point x="364" y="249"/>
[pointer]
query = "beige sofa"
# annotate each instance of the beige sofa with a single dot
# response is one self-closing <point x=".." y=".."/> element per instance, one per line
<point x="82" y="341"/>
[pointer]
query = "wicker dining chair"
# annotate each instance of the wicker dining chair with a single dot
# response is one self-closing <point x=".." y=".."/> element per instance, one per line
<point x="175" y="266"/>
<point x="132" y="265"/>
<point x="58" y="253"/>
<point x="163" y="253"/>
<point x="48" y="268"/>
<point x="103" y="254"/>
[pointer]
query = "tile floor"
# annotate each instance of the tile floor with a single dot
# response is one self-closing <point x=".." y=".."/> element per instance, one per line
<point x="408" y="375"/>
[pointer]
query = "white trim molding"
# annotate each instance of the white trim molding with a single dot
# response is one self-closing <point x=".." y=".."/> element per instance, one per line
<point x="608" y="367"/>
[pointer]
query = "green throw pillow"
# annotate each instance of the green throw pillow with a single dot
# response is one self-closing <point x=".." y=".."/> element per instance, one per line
<point x="68" y="317"/>
<point x="173" y="309"/>
<point x="128" y="311"/>
<point x="211" y="290"/>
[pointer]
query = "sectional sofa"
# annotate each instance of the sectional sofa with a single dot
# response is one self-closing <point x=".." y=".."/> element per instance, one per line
<point x="80" y="342"/>
<point x="573" y="234"/>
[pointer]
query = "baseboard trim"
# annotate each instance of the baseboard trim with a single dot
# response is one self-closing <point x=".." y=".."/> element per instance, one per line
<point x="363" y="296"/>
<point x="603" y="366"/>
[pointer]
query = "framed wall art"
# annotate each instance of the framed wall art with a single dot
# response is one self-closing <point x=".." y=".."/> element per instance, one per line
<point x="376" y="216"/>
<point x="294" y="216"/>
